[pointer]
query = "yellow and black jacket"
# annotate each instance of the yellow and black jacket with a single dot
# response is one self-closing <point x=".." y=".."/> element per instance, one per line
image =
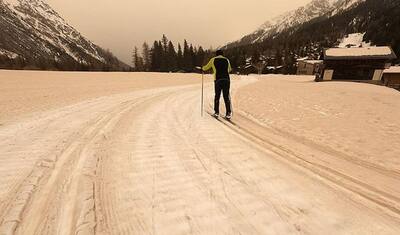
<point x="221" y="67"/>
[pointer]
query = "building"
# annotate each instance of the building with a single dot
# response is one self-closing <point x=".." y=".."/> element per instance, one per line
<point x="391" y="77"/>
<point x="356" y="64"/>
<point x="308" y="67"/>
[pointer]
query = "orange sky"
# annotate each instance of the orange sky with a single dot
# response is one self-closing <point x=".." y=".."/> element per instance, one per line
<point x="121" y="24"/>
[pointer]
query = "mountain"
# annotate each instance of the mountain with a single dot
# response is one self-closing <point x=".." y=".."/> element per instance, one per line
<point x="33" y="35"/>
<point x="336" y="23"/>
<point x="295" y="18"/>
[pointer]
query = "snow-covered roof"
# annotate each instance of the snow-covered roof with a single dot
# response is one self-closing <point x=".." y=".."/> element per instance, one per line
<point x="312" y="61"/>
<point x="359" y="53"/>
<point x="393" y="69"/>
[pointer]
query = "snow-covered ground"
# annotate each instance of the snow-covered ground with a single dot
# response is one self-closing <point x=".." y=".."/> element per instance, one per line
<point x="24" y="93"/>
<point x="358" y="120"/>
<point x="353" y="40"/>
<point x="112" y="153"/>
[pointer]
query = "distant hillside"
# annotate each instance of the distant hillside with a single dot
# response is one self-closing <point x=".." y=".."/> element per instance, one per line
<point x="34" y="36"/>
<point x="377" y="20"/>
<point x="294" y="19"/>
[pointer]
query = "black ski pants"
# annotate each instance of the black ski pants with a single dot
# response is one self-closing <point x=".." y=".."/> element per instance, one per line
<point x="223" y="86"/>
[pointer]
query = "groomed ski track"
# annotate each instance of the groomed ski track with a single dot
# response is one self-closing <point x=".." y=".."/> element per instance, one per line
<point x="146" y="162"/>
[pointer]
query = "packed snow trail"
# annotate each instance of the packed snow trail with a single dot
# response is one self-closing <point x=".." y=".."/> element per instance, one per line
<point x="147" y="163"/>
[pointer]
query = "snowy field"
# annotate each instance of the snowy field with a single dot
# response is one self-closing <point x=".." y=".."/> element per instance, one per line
<point x="129" y="153"/>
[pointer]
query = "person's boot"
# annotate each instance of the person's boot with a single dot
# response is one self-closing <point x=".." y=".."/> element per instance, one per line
<point x="215" y="115"/>
<point x="229" y="116"/>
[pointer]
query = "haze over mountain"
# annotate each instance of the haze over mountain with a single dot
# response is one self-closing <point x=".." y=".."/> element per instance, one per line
<point x="120" y="24"/>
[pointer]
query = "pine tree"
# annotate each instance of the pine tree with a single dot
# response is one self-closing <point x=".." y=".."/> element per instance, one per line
<point x="200" y="57"/>
<point x="171" y="57"/>
<point x="179" y="58"/>
<point x="137" y="60"/>
<point x="164" y="42"/>
<point x="192" y="53"/>
<point x="146" y="53"/>
<point x="162" y="55"/>
<point x="156" y="54"/>
<point x="186" y="57"/>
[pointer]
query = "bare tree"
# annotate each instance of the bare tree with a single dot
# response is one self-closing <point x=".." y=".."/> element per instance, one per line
<point x="258" y="62"/>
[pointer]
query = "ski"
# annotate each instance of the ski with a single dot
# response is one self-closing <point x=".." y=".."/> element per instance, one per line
<point x="224" y="120"/>
<point x="213" y="116"/>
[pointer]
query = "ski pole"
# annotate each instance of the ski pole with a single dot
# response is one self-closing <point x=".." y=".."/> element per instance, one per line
<point x="202" y="93"/>
<point x="202" y="90"/>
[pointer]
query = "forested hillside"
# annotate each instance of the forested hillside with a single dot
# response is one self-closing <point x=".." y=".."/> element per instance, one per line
<point x="378" y="19"/>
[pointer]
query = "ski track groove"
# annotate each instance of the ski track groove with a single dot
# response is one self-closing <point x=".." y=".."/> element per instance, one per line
<point x="62" y="160"/>
<point x="12" y="215"/>
<point x="379" y="197"/>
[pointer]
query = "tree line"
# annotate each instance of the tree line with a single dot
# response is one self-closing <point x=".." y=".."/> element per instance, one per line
<point x="164" y="56"/>
<point x="63" y="63"/>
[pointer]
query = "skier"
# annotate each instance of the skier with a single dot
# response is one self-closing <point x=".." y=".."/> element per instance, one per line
<point x="221" y="68"/>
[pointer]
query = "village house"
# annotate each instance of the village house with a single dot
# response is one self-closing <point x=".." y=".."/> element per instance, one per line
<point x="391" y="77"/>
<point x="356" y="64"/>
<point x="308" y="67"/>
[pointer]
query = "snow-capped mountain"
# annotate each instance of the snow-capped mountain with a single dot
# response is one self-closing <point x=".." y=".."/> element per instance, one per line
<point x="321" y="24"/>
<point x="34" y="33"/>
<point x="292" y="19"/>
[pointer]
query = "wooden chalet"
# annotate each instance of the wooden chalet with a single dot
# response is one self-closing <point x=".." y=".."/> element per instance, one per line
<point x="356" y="64"/>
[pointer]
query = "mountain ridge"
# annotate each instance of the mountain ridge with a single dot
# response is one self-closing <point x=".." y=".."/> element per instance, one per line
<point x="295" y="18"/>
<point x="35" y="35"/>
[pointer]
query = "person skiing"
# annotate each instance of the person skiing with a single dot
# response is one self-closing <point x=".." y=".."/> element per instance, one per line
<point x="221" y="67"/>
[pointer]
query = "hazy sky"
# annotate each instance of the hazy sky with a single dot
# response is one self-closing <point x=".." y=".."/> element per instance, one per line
<point x="119" y="25"/>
